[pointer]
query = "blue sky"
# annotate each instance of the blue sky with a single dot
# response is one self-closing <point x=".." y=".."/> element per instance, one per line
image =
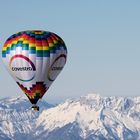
<point x="102" y="37"/>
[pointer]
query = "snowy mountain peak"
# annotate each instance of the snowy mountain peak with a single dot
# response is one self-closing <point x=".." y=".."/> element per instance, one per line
<point x="20" y="103"/>
<point x="90" y="117"/>
<point x="103" y="117"/>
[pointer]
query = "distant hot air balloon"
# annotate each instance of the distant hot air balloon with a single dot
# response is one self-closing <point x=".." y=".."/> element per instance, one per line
<point x="34" y="59"/>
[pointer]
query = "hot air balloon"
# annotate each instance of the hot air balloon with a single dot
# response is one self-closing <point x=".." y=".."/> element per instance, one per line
<point x="34" y="59"/>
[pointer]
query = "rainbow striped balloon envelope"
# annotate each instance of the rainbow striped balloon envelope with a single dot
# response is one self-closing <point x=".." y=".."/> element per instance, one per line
<point x="34" y="59"/>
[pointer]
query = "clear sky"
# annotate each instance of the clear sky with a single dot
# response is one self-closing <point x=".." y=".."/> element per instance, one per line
<point x="102" y="37"/>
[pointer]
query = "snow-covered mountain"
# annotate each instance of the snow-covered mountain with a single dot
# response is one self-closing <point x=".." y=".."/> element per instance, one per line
<point x="90" y="117"/>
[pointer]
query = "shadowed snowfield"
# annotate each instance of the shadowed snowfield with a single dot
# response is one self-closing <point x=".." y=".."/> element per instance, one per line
<point x="90" y="117"/>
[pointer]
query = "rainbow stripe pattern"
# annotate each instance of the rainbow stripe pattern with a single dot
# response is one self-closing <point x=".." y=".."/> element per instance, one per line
<point x="41" y="43"/>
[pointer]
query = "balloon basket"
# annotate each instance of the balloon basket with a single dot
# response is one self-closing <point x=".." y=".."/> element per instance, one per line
<point x="35" y="108"/>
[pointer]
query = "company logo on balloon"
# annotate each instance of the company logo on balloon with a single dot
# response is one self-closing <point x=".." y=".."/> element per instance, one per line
<point x="56" y="67"/>
<point x="22" y="68"/>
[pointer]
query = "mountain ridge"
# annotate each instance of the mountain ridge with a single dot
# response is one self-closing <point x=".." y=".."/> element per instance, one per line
<point x="90" y="117"/>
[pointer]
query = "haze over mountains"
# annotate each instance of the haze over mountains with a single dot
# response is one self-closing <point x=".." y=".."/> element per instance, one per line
<point x="90" y="117"/>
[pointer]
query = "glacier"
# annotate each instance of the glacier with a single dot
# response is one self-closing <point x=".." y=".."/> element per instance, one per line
<point x="90" y="117"/>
